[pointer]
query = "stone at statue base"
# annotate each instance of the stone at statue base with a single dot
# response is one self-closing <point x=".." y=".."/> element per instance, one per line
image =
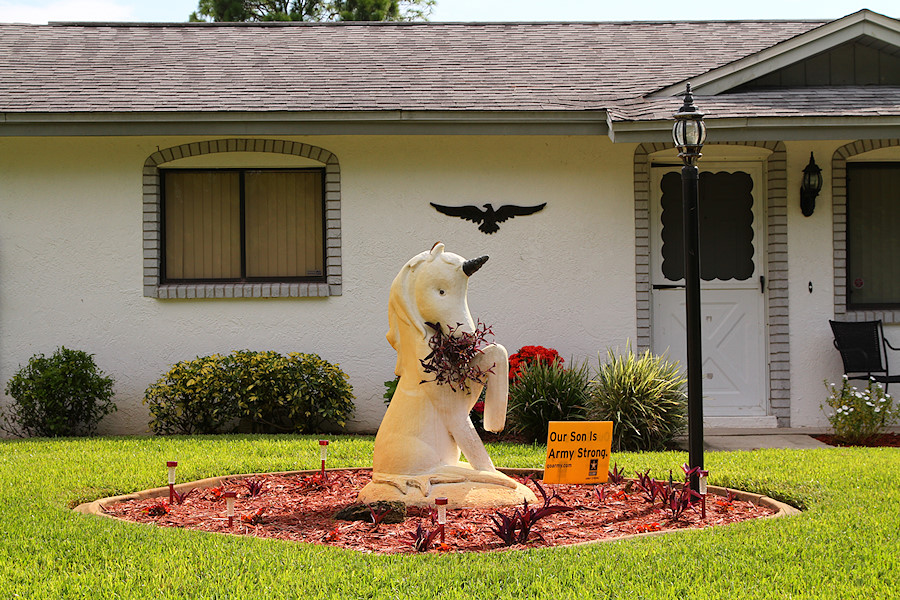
<point x="463" y="487"/>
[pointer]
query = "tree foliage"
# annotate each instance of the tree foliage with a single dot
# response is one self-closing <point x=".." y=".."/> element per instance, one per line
<point x="312" y="10"/>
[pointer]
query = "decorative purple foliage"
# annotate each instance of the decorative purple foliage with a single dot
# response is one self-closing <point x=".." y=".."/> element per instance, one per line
<point x="616" y="476"/>
<point x="254" y="485"/>
<point x="180" y="498"/>
<point x="649" y="487"/>
<point x="422" y="538"/>
<point x="452" y="353"/>
<point x="516" y="529"/>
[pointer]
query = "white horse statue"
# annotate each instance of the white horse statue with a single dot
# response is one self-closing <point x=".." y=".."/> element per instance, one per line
<point x="417" y="449"/>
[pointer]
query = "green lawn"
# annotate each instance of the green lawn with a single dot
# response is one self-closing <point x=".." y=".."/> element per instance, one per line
<point x="846" y="545"/>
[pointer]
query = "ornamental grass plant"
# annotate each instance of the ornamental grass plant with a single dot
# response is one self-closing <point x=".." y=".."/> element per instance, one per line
<point x="643" y="395"/>
<point x="544" y="392"/>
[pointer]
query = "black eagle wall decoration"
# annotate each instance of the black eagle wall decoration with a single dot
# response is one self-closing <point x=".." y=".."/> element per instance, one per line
<point x="488" y="218"/>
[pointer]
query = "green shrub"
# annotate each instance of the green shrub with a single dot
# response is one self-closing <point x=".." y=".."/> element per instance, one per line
<point x="194" y="396"/>
<point x="644" y="396"/>
<point x="65" y="394"/>
<point x="261" y="392"/>
<point x="546" y="392"/>
<point x="857" y="415"/>
<point x="298" y="393"/>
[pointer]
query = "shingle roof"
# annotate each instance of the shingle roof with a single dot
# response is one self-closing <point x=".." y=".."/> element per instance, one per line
<point x="845" y="101"/>
<point x="422" y="66"/>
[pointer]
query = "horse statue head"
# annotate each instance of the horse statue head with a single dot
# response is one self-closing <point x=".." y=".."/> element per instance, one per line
<point x="431" y="288"/>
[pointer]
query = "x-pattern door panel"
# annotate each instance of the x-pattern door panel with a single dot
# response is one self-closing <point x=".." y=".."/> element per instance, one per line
<point x="732" y="299"/>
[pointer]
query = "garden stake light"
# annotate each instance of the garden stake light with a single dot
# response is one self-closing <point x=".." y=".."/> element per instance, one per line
<point x="171" y="465"/>
<point x="441" y="504"/>
<point x="701" y="484"/>
<point x="229" y="506"/>
<point x="323" y="453"/>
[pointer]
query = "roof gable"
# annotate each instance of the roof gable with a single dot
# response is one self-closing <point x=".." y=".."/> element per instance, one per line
<point x="866" y="31"/>
<point x="864" y="61"/>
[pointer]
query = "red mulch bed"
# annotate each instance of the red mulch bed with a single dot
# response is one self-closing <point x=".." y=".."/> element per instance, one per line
<point x="885" y="440"/>
<point x="301" y="509"/>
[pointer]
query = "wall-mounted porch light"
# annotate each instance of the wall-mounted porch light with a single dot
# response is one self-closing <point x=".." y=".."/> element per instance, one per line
<point x="810" y="186"/>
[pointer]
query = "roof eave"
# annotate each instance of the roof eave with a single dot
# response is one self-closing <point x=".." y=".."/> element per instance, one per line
<point x="386" y="122"/>
<point x="764" y="129"/>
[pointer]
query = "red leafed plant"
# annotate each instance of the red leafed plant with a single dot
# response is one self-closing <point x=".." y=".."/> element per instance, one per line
<point x="334" y="535"/>
<point x="529" y="354"/>
<point x="180" y="498"/>
<point x="450" y="359"/>
<point x="616" y="476"/>
<point x="378" y="515"/>
<point x="254" y="518"/>
<point x="216" y="493"/>
<point x="157" y="510"/>
<point x="254" y="485"/>
<point x="422" y="538"/>
<point x="516" y="529"/>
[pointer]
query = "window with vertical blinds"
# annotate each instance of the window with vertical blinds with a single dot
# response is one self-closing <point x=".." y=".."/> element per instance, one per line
<point x="873" y="246"/>
<point x="243" y="225"/>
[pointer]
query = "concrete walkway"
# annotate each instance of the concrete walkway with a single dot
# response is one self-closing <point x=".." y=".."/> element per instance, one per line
<point x="754" y="439"/>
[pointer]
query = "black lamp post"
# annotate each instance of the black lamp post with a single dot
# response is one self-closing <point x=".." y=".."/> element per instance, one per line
<point x="689" y="134"/>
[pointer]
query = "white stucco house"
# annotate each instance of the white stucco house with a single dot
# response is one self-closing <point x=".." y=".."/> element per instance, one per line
<point x="175" y="190"/>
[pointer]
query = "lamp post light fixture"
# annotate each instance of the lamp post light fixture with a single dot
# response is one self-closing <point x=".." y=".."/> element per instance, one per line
<point x="810" y="186"/>
<point x="441" y="504"/>
<point x="171" y="465"/>
<point x="229" y="506"/>
<point x="689" y="134"/>
<point x="323" y="454"/>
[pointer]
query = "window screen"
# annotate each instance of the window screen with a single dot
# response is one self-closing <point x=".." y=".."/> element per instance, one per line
<point x="726" y="226"/>
<point x="243" y="225"/>
<point x="873" y="234"/>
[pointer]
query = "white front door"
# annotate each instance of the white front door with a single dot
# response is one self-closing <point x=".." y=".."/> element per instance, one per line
<point x="732" y="288"/>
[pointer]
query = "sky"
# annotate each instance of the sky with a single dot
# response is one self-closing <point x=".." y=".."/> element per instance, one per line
<point x="42" y="11"/>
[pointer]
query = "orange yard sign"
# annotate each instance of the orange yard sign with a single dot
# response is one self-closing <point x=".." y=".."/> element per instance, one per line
<point x="578" y="452"/>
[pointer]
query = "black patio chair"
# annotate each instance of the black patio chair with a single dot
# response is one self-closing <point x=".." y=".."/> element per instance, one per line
<point x="863" y="349"/>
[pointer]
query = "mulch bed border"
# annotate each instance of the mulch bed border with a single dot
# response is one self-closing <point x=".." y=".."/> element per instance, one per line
<point x="97" y="507"/>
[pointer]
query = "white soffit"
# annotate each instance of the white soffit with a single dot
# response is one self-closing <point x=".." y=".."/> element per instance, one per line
<point x="806" y="45"/>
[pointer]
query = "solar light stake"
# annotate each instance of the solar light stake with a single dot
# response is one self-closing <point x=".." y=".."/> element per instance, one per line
<point x="171" y="465"/>
<point x="441" y="504"/>
<point x="229" y="506"/>
<point x="701" y="484"/>
<point x="323" y="453"/>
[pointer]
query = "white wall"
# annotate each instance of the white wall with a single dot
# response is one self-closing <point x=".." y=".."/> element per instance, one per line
<point x="71" y="256"/>
<point x="810" y="251"/>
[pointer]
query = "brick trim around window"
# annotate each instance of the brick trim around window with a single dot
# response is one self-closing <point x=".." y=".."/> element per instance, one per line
<point x="839" y="232"/>
<point x="153" y="226"/>
<point x="776" y="266"/>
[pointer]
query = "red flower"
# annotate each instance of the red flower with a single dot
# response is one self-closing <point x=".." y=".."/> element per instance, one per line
<point x="529" y="354"/>
<point x="479" y="407"/>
